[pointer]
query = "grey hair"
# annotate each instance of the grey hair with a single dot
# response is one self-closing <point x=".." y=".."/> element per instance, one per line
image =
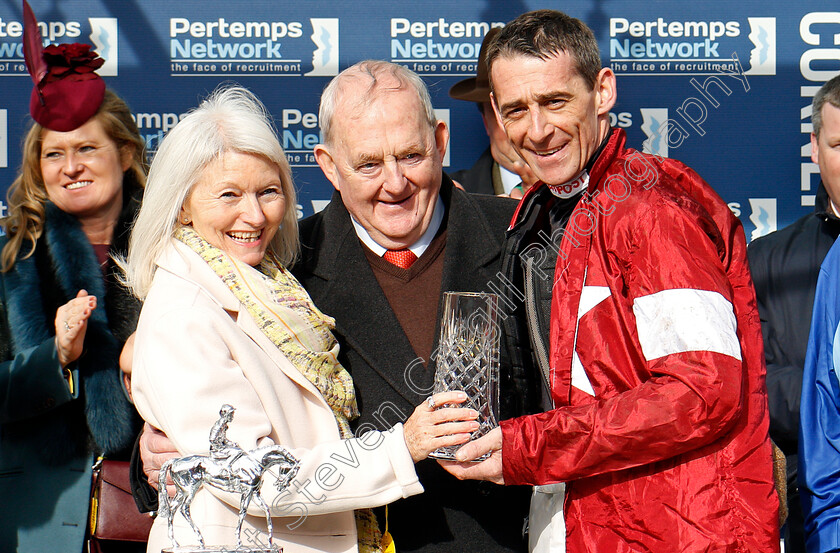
<point x="829" y="92"/>
<point x="373" y="70"/>
<point x="231" y="119"/>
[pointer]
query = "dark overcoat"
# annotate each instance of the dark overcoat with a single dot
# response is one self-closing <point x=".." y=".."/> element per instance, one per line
<point x="450" y="515"/>
<point x="478" y="179"/>
<point x="48" y="435"/>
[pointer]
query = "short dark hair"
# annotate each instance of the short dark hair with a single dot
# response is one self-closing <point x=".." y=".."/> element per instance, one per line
<point x="830" y="92"/>
<point x="546" y="33"/>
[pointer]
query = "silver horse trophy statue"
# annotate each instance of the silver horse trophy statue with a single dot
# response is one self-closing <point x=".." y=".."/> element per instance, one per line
<point x="228" y="468"/>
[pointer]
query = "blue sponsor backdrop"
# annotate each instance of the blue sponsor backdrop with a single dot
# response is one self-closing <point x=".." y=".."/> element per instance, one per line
<point x="724" y="86"/>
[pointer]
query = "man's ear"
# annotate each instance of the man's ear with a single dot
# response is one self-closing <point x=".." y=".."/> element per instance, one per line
<point x="605" y="90"/>
<point x="327" y="165"/>
<point x="441" y="138"/>
<point x="496" y="112"/>
<point x="815" y="149"/>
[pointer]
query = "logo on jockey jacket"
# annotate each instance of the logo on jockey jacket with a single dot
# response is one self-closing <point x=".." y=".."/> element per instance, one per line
<point x="572" y="187"/>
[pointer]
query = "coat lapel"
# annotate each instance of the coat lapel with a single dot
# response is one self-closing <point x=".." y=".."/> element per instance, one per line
<point x="182" y="260"/>
<point x="28" y="324"/>
<point x="75" y="268"/>
<point x="245" y="322"/>
<point x="74" y="259"/>
<point x="349" y="292"/>
<point x="473" y="244"/>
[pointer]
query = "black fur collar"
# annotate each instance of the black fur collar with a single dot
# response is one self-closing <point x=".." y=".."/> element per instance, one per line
<point x="110" y="418"/>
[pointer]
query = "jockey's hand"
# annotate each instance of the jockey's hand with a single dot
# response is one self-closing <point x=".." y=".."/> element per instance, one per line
<point x="155" y="449"/>
<point x="490" y="469"/>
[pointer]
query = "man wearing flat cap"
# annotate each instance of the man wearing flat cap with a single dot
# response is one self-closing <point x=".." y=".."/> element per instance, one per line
<point x="499" y="170"/>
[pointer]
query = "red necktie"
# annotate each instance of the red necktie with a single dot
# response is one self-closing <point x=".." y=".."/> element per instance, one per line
<point x="400" y="258"/>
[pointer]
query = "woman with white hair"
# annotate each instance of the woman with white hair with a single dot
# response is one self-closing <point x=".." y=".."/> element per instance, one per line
<point x="224" y="322"/>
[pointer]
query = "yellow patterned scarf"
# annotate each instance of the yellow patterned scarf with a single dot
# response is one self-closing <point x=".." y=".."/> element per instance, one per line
<point x="288" y="317"/>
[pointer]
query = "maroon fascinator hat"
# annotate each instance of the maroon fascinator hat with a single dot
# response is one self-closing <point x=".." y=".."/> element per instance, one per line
<point x="67" y="90"/>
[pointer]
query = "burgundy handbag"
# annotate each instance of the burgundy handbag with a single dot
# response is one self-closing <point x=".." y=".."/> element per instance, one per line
<point x="113" y="513"/>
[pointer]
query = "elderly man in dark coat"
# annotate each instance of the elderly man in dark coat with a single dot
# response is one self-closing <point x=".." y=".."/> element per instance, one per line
<point x="384" y="156"/>
<point x="394" y="237"/>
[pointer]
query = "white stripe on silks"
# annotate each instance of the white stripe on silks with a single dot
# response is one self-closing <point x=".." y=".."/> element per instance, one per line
<point x="579" y="378"/>
<point x="685" y="319"/>
<point x="590" y="296"/>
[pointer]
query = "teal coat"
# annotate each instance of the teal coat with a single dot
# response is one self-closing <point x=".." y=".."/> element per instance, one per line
<point x="48" y="436"/>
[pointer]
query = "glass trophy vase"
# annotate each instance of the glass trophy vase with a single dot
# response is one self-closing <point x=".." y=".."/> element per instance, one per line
<point x="468" y="357"/>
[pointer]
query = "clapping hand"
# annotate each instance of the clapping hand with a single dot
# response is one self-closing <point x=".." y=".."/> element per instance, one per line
<point x="71" y="326"/>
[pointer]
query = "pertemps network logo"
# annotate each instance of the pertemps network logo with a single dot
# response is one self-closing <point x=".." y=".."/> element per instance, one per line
<point x="4" y="139"/>
<point x="325" y="56"/>
<point x="763" y="216"/>
<point x="231" y="48"/>
<point x="438" y="48"/>
<point x="665" y="46"/>
<point x="653" y="121"/>
<point x="763" y="55"/>
<point x="104" y="34"/>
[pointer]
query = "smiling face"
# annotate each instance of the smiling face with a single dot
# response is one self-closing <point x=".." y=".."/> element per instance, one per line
<point x="83" y="171"/>
<point x="237" y="205"/>
<point x="386" y="161"/>
<point x="554" y="120"/>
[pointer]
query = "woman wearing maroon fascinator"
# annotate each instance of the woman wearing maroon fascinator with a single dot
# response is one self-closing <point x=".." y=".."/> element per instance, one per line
<point x="64" y="316"/>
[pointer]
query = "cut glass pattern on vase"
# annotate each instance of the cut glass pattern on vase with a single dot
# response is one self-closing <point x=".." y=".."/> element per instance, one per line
<point x="468" y="358"/>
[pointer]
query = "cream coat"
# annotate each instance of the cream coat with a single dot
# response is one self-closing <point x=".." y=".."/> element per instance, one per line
<point x="198" y="348"/>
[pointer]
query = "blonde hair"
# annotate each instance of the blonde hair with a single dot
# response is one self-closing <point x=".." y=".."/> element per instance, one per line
<point x="231" y="119"/>
<point x="27" y="196"/>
